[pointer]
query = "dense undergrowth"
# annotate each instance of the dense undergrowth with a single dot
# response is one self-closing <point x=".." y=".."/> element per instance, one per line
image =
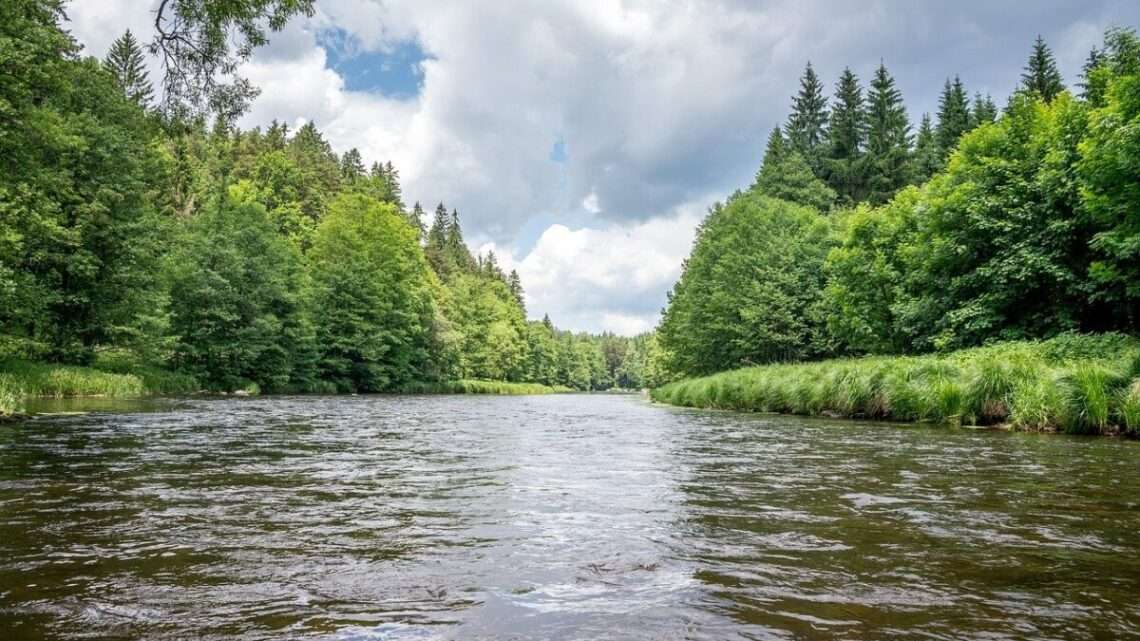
<point x="1071" y="383"/>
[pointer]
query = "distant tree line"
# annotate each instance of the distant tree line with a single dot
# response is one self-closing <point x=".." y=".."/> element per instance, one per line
<point x="861" y="235"/>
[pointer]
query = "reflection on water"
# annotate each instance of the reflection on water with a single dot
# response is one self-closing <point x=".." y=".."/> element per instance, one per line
<point x="557" y="517"/>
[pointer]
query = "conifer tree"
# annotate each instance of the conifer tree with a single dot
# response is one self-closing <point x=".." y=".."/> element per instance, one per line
<point x="1041" y="75"/>
<point x="927" y="157"/>
<point x="807" y="124"/>
<point x="953" y="116"/>
<point x="983" y="112"/>
<point x="844" y="165"/>
<point x="396" y="194"/>
<point x="888" y="138"/>
<point x="786" y="175"/>
<point x="436" y="247"/>
<point x="351" y="165"/>
<point x="1095" y="59"/>
<point x="457" y="250"/>
<point x="515" y="285"/>
<point x="125" y="62"/>
<point x="416" y="217"/>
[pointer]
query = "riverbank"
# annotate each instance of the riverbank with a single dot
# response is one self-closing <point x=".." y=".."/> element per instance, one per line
<point x="1072" y="383"/>
<point x="21" y="380"/>
<point x="503" y="388"/>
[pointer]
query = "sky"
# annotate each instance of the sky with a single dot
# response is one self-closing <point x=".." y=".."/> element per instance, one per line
<point x="584" y="140"/>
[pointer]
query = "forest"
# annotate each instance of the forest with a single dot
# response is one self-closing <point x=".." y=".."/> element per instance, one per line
<point x="862" y="235"/>
<point x="150" y="246"/>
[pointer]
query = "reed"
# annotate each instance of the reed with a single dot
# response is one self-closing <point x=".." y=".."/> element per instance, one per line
<point x="1074" y="383"/>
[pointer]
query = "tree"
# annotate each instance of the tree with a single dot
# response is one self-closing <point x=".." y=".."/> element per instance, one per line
<point x="786" y="175"/>
<point x="844" y="164"/>
<point x="953" y="116"/>
<point x="866" y="273"/>
<point x="436" y="247"/>
<point x="416" y="218"/>
<point x="1095" y="58"/>
<point x="201" y="43"/>
<point x="888" y="139"/>
<point x="748" y="291"/>
<point x="1109" y="174"/>
<point x="927" y="158"/>
<point x="125" y="62"/>
<point x="1000" y="251"/>
<point x="351" y="166"/>
<point x="983" y="112"/>
<point x="806" y="129"/>
<point x="79" y="235"/>
<point x="514" y="283"/>
<point x="1041" y="75"/>
<point x="371" y="296"/>
<point x="236" y="310"/>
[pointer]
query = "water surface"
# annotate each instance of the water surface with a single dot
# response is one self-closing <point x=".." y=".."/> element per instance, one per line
<point x="556" y="517"/>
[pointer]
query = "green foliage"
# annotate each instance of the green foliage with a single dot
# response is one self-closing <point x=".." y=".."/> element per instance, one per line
<point x="749" y="291"/>
<point x="953" y="116"/>
<point x="125" y="62"/>
<point x="998" y="249"/>
<point x="235" y="307"/>
<point x="78" y="233"/>
<point x="888" y="139"/>
<point x="844" y="165"/>
<point x="866" y="275"/>
<point x="1109" y="172"/>
<point x="787" y="176"/>
<point x="1020" y="384"/>
<point x="371" y="296"/>
<point x="1041" y="75"/>
<point x="806" y="129"/>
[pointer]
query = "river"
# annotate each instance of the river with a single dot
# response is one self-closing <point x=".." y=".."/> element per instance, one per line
<point x="555" y="517"/>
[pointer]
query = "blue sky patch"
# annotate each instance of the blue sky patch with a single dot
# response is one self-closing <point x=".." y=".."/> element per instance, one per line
<point x="395" y="73"/>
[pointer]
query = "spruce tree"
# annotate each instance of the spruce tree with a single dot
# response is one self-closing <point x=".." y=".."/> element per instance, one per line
<point x="351" y="165"/>
<point x="1041" y="75"/>
<point x="888" y="138"/>
<point x="457" y="250"/>
<point x="807" y="124"/>
<point x="416" y="218"/>
<point x="515" y="285"/>
<point x="435" y="249"/>
<point x="786" y="175"/>
<point x="1095" y="58"/>
<point x="844" y="165"/>
<point x="125" y="62"/>
<point x="927" y="158"/>
<point x="396" y="194"/>
<point x="983" y="112"/>
<point x="953" y="116"/>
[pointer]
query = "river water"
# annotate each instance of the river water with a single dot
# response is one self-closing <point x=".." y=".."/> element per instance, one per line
<point x="556" y="517"/>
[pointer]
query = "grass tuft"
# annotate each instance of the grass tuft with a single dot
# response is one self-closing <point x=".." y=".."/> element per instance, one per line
<point x="479" y="387"/>
<point x="1074" y="382"/>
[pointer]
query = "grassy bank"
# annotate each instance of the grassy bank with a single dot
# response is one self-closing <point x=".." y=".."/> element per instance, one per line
<point x="23" y="379"/>
<point x="1076" y="384"/>
<point x="480" y="387"/>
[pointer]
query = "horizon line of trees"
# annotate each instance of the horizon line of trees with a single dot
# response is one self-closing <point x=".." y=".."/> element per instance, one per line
<point x="862" y="236"/>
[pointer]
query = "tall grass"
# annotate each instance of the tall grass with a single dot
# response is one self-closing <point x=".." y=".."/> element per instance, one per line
<point x="23" y="379"/>
<point x="479" y="387"/>
<point x="1073" y="383"/>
